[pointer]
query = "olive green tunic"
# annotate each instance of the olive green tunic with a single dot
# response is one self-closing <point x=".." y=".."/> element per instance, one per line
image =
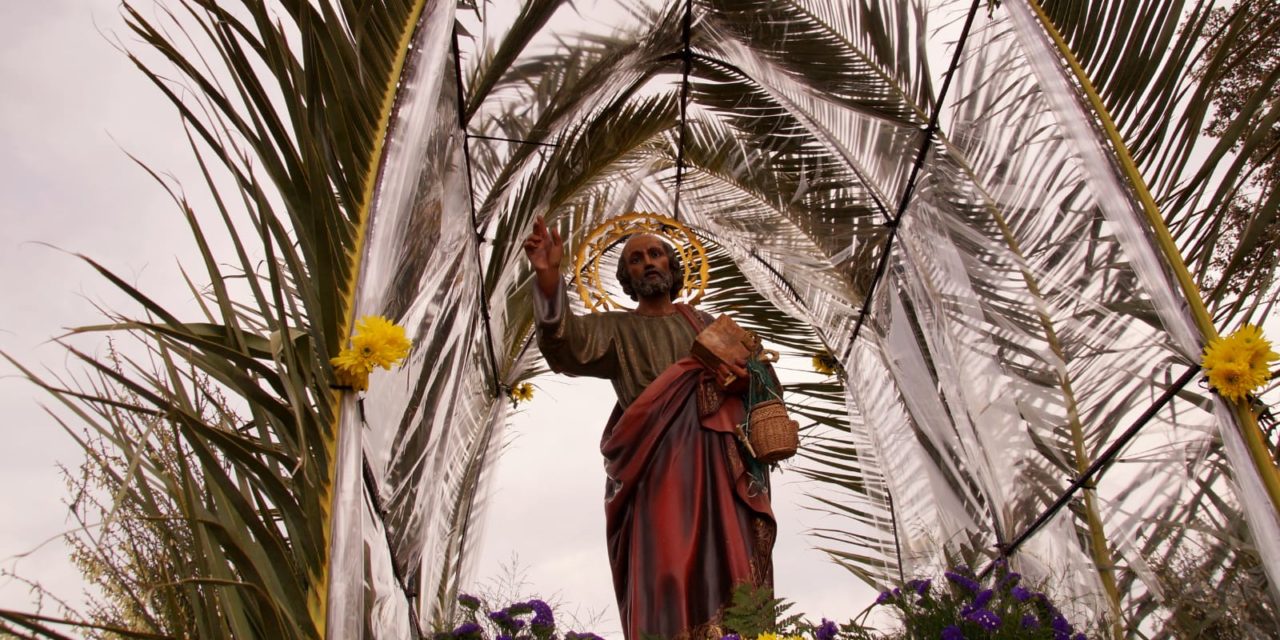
<point x="629" y="349"/>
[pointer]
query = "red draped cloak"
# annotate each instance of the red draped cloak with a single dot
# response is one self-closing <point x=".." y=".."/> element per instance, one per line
<point x="686" y="520"/>
<point x="686" y="517"/>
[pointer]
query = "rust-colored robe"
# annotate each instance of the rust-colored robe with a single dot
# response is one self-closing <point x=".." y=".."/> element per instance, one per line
<point x="686" y="517"/>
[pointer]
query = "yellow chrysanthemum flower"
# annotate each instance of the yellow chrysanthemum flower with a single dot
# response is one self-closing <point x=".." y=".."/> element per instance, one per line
<point x="522" y="392"/>
<point x="1238" y="364"/>
<point x="768" y="636"/>
<point x="381" y="341"/>
<point x="352" y="361"/>
<point x="357" y="379"/>
<point x="824" y="363"/>
<point x="377" y="343"/>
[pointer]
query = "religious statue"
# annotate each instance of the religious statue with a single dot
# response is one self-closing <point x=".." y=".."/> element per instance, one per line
<point x="687" y="509"/>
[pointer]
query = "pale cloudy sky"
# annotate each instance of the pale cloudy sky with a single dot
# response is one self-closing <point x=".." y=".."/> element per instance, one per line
<point x="73" y="110"/>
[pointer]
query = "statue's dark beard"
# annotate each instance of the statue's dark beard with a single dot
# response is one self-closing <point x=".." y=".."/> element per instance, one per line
<point x="648" y="288"/>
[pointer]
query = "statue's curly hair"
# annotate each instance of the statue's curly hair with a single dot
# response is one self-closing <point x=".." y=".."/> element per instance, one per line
<point x="673" y="261"/>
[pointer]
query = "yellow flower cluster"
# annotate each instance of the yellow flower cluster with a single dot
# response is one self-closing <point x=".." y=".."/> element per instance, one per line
<point x="522" y="392"/>
<point x="774" y="636"/>
<point x="1237" y="364"/>
<point x="378" y="342"/>
<point x="825" y="363"/>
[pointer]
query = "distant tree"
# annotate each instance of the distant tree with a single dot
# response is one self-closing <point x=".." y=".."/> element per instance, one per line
<point x="1250" y="63"/>
<point x="134" y="541"/>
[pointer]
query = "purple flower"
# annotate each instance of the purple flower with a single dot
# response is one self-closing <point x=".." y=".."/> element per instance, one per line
<point x="983" y="598"/>
<point x="1060" y="623"/>
<point x="542" y="616"/>
<point x="921" y="587"/>
<point x="885" y="598"/>
<point x="467" y="630"/>
<point x="952" y="632"/>
<point x="986" y="619"/>
<point x="826" y="631"/>
<point x="1079" y="636"/>
<point x="1020" y="593"/>
<point x="1010" y="580"/>
<point x="1062" y="629"/>
<point x="468" y="601"/>
<point x="731" y="636"/>
<point x="965" y="582"/>
<point x="505" y="621"/>
<point x="503" y="636"/>
<point x="1030" y="621"/>
<point x="978" y="603"/>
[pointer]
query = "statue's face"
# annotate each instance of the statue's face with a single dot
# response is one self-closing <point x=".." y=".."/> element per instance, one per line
<point x="647" y="265"/>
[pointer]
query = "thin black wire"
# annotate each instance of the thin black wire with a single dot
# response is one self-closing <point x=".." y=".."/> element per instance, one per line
<point x="501" y="139"/>
<point x="897" y="540"/>
<point x="1096" y="468"/>
<point x="471" y="200"/>
<point x="687" y="55"/>
<point x="929" y="132"/>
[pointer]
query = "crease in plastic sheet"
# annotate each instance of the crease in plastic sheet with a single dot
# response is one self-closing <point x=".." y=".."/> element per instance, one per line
<point x="1017" y="297"/>
<point x="1122" y="211"/>
<point x="959" y="388"/>
<point x="414" y="424"/>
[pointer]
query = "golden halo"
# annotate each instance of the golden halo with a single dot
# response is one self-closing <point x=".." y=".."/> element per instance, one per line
<point x="598" y="241"/>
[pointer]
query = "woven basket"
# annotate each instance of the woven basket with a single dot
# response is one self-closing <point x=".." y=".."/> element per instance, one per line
<point x="774" y="436"/>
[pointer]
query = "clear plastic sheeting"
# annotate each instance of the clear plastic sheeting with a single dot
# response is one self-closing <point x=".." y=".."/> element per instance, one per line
<point x="1022" y="321"/>
<point x="408" y="476"/>
<point x="1022" y="325"/>
<point x="1261" y="513"/>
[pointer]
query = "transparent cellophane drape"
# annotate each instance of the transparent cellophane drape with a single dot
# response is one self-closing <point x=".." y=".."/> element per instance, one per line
<point x="412" y="449"/>
<point x="1023" y="323"/>
<point x="1023" y="317"/>
<point x="1024" y="320"/>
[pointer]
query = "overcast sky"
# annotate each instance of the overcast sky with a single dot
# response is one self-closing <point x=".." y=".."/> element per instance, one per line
<point x="74" y="109"/>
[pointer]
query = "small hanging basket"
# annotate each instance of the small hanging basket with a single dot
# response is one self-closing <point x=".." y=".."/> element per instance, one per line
<point x="774" y="436"/>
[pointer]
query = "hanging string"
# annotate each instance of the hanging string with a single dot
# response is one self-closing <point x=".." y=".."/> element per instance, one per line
<point x="471" y="199"/>
<point x="687" y="56"/>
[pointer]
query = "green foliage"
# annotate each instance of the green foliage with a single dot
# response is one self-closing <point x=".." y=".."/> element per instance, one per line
<point x="132" y="542"/>
<point x="1215" y="600"/>
<point x="754" y="610"/>
<point x="1247" y="67"/>
<point x="961" y="606"/>
<point x="531" y="619"/>
<point x="964" y="607"/>
<point x="801" y="201"/>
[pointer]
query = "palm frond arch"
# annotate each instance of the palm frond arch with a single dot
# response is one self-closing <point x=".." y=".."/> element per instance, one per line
<point x="797" y="152"/>
<point x="978" y="261"/>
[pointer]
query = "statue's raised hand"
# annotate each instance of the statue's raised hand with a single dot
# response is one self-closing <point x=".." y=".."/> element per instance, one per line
<point x="545" y="250"/>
